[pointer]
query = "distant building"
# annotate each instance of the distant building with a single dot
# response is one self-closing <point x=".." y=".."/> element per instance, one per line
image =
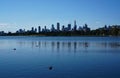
<point x="32" y="29"/>
<point x="69" y="27"/>
<point x="20" y="31"/>
<point x="80" y="28"/>
<point x="58" y="26"/>
<point x="105" y="27"/>
<point x="75" y="26"/>
<point x="2" y="32"/>
<point x="63" y="28"/>
<point x="35" y="30"/>
<point x="39" y="29"/>
<point x="53" y="28"/>
<point x="45" y="29"/>
<point x="66" y="29"/>
<point x="85" y="28"/>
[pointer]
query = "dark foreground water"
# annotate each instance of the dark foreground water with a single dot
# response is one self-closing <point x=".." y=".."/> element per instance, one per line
<point x="70" y="57"/>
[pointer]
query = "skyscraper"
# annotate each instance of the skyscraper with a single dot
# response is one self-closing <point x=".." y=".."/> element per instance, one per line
<point x="75" y="26"/>
<point x="32" y="29"/>
<point x="63" y="28"/>
<point x="58" y="26"/>
<point x="45" y="28"/>
<point x="52" y="28"/>
<point x="35" y="30"/>
<point x="39" y="29"/>
<point x="69" y="27"/>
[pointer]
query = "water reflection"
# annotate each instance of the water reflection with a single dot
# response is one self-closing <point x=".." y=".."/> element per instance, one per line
<point x="32" y="58"/>
<point x="69" y="46"/>
<point x="109" y="44"/>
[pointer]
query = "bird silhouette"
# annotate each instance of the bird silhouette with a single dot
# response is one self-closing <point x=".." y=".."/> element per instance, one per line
<point x="50" y="68"/>
<point x="14" y="49"/>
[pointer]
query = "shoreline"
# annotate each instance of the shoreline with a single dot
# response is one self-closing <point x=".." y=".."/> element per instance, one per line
<point x="53" y="36"/>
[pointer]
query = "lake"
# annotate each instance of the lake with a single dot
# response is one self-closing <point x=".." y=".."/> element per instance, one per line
<point x="69" y="57"/>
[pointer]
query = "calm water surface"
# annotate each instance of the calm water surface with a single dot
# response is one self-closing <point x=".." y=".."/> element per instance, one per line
<point x="70" y="57"/>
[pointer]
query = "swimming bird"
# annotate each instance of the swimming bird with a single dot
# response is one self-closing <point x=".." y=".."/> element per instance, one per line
<point x="50" y="68"/>
<point x="14" y="49"/>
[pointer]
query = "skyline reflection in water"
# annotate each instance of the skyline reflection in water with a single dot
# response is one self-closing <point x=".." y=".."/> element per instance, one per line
<point x="73" y="46"/>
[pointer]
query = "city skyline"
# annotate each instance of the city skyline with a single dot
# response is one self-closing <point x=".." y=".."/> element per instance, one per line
<point x="25" y="14"/>
<point x="66" y="30"/>
<point x="54" y="28"/>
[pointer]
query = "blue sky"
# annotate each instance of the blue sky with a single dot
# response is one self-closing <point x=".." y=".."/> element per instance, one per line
<point x="15" y="14"/>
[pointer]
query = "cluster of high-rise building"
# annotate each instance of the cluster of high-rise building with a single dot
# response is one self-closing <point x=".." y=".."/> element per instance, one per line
<point x="57" y="28"/>
<point x="67" y="30"/>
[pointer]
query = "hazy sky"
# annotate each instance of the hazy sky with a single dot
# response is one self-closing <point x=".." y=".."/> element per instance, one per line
<point x="15" y="14"/>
